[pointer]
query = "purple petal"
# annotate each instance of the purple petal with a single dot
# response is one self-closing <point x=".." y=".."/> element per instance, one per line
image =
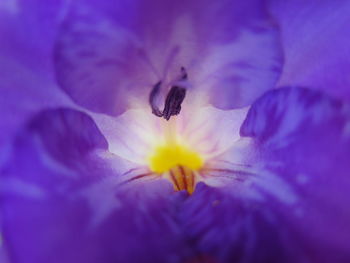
<point x="315" y="37"/>
<point x="61" y="199"/>
<point x="3" y="256"/>
<point x="27" y="30"/>
<point x="105" y="51"/>
<point x="227" y="228"/>
<point x="287" y="199"/>
<point x="301" y="166"/>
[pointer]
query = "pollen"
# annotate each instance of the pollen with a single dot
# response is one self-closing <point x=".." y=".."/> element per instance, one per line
<point x="166" y="157"/>
<point x="178" y="164"/>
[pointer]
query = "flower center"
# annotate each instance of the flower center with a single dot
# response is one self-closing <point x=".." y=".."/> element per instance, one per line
<point x="178" y="163"/>
<point x="174" y="160"/>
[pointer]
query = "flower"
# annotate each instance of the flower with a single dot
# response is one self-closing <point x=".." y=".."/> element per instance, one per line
<point x="172" y="143"/>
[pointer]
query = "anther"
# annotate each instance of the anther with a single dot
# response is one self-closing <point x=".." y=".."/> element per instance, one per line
<point x="174" y="98"/>
<point x="173" y="102"/>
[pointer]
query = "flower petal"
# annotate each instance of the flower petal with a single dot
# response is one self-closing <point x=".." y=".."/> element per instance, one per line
<point x="315" y="39"/>
<point x="210" y="131"/>
<point x="227" y="228"/>
<point x="287" y="199"/>
<point x="62" y="199"/>
<point x="3" y="253"/>
<point x="132" y="134"/>
<point x="27" y="30"/>
<point x="97" y="62"/>
<point x="235" y="73"/>
<point x="105" y="51"/>
<point x="302" y="139"/>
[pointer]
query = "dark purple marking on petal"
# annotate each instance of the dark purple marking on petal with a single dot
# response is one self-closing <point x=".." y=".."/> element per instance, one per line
<point x="97" y="62"/>
<point x="58" y="130"/>
<point x="283" y="110"/>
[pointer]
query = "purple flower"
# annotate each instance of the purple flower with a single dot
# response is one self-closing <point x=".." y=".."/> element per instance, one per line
<point x="174" y="131"/>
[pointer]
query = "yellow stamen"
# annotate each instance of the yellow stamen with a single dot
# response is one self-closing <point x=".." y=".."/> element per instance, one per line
<point x="168" y="156"/>
<point x="183" y="178"/>
<point x="175" y="159"/>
